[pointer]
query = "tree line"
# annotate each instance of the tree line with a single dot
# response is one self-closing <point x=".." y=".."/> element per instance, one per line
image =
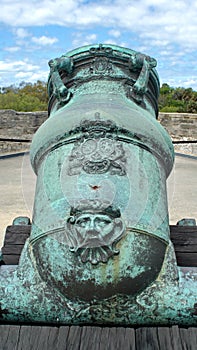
<point x="27" y="97"/>
<point x="30" y="97"/>
<point x="181" y="100"/>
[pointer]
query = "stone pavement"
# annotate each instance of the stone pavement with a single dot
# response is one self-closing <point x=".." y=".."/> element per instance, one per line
<point x="17" y="186"/>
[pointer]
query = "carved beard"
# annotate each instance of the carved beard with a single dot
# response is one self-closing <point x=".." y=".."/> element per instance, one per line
<point x="97" y="254"/>
<point x="95" y="245"/>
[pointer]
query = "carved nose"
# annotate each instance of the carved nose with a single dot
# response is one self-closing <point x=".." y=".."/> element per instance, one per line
<point x="91" y="225"/>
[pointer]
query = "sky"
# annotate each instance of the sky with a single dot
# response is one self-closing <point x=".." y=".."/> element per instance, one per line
<point x="33" y="32"/>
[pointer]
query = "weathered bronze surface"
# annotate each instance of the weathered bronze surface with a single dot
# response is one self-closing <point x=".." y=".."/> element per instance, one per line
<point x="99" y="250"/>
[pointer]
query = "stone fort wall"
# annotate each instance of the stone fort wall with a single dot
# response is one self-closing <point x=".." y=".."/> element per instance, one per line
<point x="18" y="128"/>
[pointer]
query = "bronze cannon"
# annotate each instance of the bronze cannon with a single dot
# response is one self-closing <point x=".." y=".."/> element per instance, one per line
<point x="99" y="249"/>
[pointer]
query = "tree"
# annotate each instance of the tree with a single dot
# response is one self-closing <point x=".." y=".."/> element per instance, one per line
<point x="26" y="97"/>
<point x="31" y="97"/>
<point x="181" y="100"/>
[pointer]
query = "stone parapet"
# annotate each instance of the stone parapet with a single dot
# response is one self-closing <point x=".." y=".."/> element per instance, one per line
<point x="17" y="128"/>
<point x="180" y="126"/>
<point x="20" y="125"/>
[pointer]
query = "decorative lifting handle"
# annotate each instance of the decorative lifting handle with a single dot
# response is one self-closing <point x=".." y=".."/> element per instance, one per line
<point x="61" y="92"/>
<point x="146" y="63"/>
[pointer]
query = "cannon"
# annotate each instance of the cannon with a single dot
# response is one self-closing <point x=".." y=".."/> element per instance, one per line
<point x="99" y="251"/>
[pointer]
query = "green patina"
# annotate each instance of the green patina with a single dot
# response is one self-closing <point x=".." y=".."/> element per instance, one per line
<point x="99" y="250"/>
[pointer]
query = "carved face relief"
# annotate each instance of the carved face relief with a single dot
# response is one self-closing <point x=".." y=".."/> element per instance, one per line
<point x="93" y="235"/>
<point x="92" y="229"/>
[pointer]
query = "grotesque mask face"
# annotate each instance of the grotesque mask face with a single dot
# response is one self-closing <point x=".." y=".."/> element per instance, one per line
<point x="93" y="230"/>
<point x="93" y="235"/>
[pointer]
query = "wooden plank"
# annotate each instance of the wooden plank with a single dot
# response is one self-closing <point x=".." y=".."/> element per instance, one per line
<point x="122" y="339"/>
<point x="90" y="338"/>
<point x="12" y="249"/>
<point x="184" y="335"/>
<point x="24" y="338"/>
<point x="46" y="339"/>
<point x="34" y="337"/>
<point x="15" y="238"/>
<point x="190" y="248"/>
<point x="74" y="338"/>
<point x="94" y="339"/>
<point x="9" y="337"/>
<point x="164" y="337"/>
<point x="112" y="343"/>
<point x="175" y="338"/>
<point x="184" y="238"/>
<point x="147" y="338"/>
<point x="176" y="229"/>
<point x="11" y="259"/>
<point x="186" y="259"/>
<point x="85" y="337"/>
<point x="104" y="339"/>
<point x="52" y="339"/>
<point x="193" y="337"/>
<point x="97" y="338"/>
<point x="129" y="340"/>
<point x="4" y="332"/>
<point x="13" y="338"/>
<point x="38" y="338"/>
<point x="115" y="338"/>
<point x="24" y="229"/>
<point x="62" y="338"/>
<point x="112" y="340"/>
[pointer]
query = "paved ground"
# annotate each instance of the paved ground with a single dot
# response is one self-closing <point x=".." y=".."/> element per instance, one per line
<point x="17" y="185"/>
<point x="182" y="189"/>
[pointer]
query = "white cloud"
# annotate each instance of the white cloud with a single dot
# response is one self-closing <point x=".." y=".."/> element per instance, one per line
<point x="23" y="75"/>
<point x="162" y="28"/>
<point x="110" y="42"/>
<point x="81" y="39"/>
<point x="12" y="49"/>
<point x="21" y="70"/>
<point x="16" y="66"/>
<point x="91" y="37"/>
<point x="159" y="42"/>
<point x="161" y="20"/>
<point x="21" y="33"/>
<point x="31" y="76"/>
<point x="44" y="40"/>
<point x="190" y="82"/>
<point x="115" y="33"/>
<point x="182" y="82"/>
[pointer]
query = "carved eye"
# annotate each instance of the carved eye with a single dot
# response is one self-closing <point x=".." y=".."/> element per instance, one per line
<point x="102" y="222"/>
<point x="82" y="222"/>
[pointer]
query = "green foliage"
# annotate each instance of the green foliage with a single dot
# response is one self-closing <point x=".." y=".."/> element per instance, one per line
<point x="181" y="100"/>
<point x="26" y="97"/>
<point x="29" y="97"/>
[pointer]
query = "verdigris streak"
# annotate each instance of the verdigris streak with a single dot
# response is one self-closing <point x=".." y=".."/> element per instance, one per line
<point x="99" y="250"/>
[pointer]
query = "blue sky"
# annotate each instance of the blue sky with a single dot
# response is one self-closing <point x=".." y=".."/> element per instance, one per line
<point x="33" y="32"/>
